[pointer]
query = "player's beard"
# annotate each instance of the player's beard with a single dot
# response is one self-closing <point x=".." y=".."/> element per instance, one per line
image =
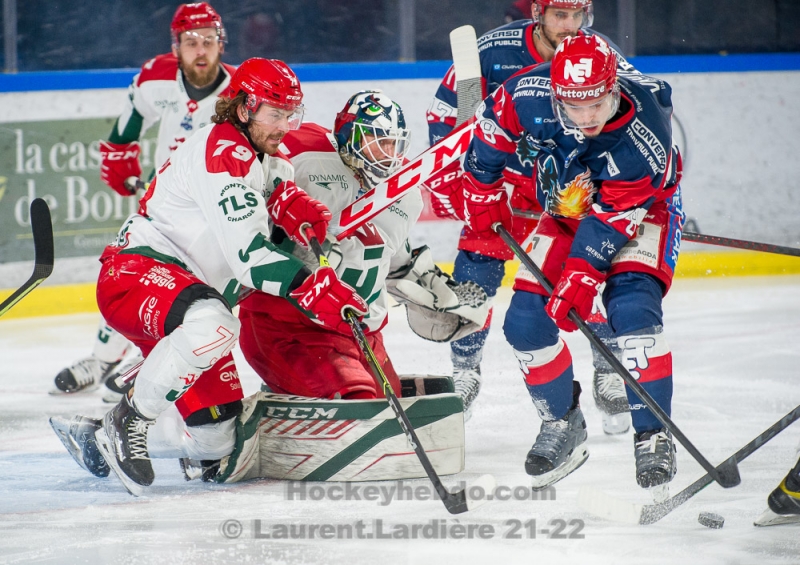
<point x="200" y="72"/>
<point x="551" y="39"/>
<point x="264" y="142"/>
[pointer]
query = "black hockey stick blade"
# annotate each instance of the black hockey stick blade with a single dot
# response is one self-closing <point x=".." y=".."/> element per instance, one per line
<point x="727" y="475"/>
<point x="42" y="228"/>
<point x="652" y="513"/>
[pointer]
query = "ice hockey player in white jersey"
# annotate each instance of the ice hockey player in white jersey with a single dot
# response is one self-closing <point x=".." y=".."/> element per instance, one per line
<point x="169" y="281"/>
<point x="293" y="356"/>
<point x="178" y="91"/>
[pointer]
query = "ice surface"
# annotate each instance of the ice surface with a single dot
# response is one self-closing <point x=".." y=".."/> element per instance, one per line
<point x="736" y="358"/>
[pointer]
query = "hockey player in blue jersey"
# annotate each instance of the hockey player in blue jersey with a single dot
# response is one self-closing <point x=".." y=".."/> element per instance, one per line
<point x="481" y="258"/>
<point x="606" y="174"/>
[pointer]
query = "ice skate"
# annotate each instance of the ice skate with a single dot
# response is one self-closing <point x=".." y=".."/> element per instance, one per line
<point x="77" y="435"/>
<point x="123" y="442"/>
<point x="608" y="390"/>
<point x="83" y="375"/>
<point x="655" y="459"/>
<point x="559" y="449"/>
<point x="467" y="384"/>
<point x="112" y="392"/>
<point x="783" y="502"/>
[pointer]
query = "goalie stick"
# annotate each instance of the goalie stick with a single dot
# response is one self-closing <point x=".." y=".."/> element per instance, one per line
<point x="467" y="64"/>
<point x="455" y="502"/>
<point x="703" y="238"/>
<point x="601" y="504"/>
<point x="727" y="473"/>
<point x="42" y="228"/>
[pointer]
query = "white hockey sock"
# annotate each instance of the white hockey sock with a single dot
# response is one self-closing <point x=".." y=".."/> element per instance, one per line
<point x="110" y="346"/>
<point x="170" y="438"/>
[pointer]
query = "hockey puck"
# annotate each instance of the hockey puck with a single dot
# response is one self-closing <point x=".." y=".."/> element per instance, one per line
<point x="711" y="520"/>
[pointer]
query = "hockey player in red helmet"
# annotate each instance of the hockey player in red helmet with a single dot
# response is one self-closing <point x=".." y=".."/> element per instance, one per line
<point x="169" y="281"/>
<point x="607" y="175"/>
<point x="503" y="52"/>
<point x="177" y="91"/>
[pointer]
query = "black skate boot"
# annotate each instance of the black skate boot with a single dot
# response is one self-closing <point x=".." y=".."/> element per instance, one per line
<point x="123" y="442"/>
<point x="784" y="501"/>
<point x="77" y="435"/>
<point x="560" y="446"/>
<point x="655" y="458"/>
<point x="82" y="375"/>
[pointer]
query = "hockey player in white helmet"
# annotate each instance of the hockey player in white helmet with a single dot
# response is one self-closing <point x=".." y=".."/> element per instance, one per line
<point x="178" y="91"/>
<point x="368" y="143"/>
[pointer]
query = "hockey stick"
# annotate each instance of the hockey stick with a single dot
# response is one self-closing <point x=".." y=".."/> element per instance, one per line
<point x="703" y="238"/>
<point x="408" y="177"/>
<point x="601" y="504"/>
<point x="467" y="64"/>
<point x="455" y="502"/>
<point x="727" y="473"/>
<point x="42" y="227"/>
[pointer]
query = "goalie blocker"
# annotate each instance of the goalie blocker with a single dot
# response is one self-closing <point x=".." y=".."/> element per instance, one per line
<point x="310" y="439"/>
<point x="438" y="308"/>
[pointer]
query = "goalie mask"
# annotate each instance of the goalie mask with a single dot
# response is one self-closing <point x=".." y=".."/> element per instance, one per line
<point x="372" y="136"/>
<point x="439" y="309"/>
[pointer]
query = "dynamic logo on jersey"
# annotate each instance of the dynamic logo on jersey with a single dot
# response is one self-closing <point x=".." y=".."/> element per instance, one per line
<point x="240" y="205"/>
<point x="573" y="200"/>
<point x="331" y="183"/>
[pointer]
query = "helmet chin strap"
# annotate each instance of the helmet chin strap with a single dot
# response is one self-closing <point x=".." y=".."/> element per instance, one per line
<point x="537" y="33"/>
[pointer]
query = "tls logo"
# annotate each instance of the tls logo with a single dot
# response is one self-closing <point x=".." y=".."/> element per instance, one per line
<point x="239" y="206"/>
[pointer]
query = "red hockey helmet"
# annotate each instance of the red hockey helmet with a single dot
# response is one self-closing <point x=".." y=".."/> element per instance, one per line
<point x="583" y="75"/>
<point x="196" y="16"/>
<point x="586" y="5"/>
<point x="268" y="81"/>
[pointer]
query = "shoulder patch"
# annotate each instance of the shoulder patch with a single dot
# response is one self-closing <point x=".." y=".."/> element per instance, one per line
<point x="310" y="137"/>
<point x="161" y="67"/>
<point x="228" y="151"/>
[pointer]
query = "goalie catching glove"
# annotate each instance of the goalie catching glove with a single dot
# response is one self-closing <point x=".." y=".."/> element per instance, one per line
<point x="439" y="309"/>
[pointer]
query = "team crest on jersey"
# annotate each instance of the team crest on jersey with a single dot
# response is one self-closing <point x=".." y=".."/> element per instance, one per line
<point x="237" y="202"/>
<point x="572" y="200"/>
<point x="527" y="151"/>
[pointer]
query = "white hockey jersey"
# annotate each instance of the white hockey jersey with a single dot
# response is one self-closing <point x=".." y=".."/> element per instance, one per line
<point x="364" y="259"/>
<point x="206" y="210"/>
<point x="157" y="94"/>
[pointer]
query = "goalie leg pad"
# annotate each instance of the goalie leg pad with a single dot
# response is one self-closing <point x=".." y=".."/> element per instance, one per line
<point x="354" y="440"/>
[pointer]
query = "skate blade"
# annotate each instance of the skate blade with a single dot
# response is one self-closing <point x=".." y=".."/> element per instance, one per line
<point x="598" y="503"/>
<point x="615" y="424"/>
<point x="61" y="428"/>
<point x="111" y="397"/>
<point x="55" y="391"/>
<point x="104" y="446"/>
<point x="578" y="458"/>
<point x="770" y="518"/>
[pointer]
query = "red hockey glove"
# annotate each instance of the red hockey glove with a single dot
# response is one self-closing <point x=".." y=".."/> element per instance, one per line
<point x="118" y="161"/>
<point x="327" y="297"/>
<point x="485" y="205"/>
<point x="447" y="198"/>
<point x="576" y="288"/>
<point x="291" y="208"/>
